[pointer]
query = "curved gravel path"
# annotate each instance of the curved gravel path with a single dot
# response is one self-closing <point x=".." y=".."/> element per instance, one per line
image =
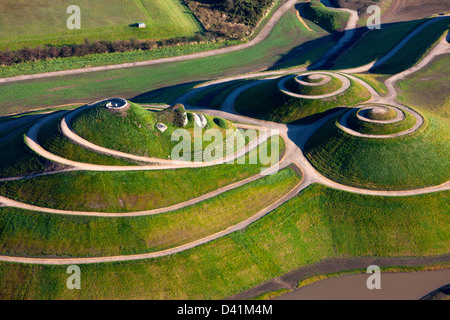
<point x="296" y="137"/>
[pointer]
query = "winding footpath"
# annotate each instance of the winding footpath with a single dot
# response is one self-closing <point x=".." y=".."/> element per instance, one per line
<point x="295" y="137"/>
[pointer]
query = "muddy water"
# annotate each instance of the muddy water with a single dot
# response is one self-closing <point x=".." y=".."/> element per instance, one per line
<point x="394" y="286"/>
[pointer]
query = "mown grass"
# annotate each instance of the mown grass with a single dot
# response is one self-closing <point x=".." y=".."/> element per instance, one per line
<point x="375" y="44"/>
<point x="427" y="89"/>
<point x="266" y="102"/>
<point x="32" y="233"/>
<point x="332" y="86"/>
<point x="379" y="128"/>
<point x="130" y="191"/>
<point x="318" y="224"/>
<point x="100" y="20"/>
<point x="288" y="34"/>
<point x="417" y="48"/>
<point x="413" y="161"/>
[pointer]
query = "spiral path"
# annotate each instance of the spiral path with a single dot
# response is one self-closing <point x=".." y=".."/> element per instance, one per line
<point x="295" y="137"/>
<point x="326" y="78"/>
<point x="400" y="112"/>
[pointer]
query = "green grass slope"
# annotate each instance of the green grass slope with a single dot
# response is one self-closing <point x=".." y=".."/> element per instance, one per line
<point x="328" y="19"/>
<point x="320" y="223"/>
<point x="413" y="161"/>
<point x="39" y="234"/>
<point x="266" y="102"/>
<point x="24" y="23"/>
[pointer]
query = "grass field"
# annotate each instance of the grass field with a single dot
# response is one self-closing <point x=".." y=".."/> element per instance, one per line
<point x="102" y="59"/>
<point x="288" y="34"/>
<point x="413" y="161"/>
<point x="32" y="233"/>
<point x="375" y="44"/>
<point x="427" y="89"/>
<point x="320" y="223"/>
<point x="417" y="48"/>
<point x="266" y="102"/>
<point x="100" y="20"/>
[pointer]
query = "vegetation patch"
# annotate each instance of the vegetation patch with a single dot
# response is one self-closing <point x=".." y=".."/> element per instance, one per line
<point x="230" y="18"/>
<point x="409" y="162"/>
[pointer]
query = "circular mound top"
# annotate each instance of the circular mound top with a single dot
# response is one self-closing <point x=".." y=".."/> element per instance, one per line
<point x="313" y="79"/>
<point x="116" y="103"/>
<point x="378" y="113"/>
<point x="314" y="85"/>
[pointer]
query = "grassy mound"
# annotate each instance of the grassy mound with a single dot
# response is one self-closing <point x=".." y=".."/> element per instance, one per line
<point x="134" y="130"/>
<point x="51" y="139"/>
<point x="387" y="114"/>
<point x="413" y="161"/>
<point x="318" y="224"/>
<point x="329" y="87"/>
<point x="328" y="19"/>
<point x="266" y="102"/>
<point x="129" y="191"/>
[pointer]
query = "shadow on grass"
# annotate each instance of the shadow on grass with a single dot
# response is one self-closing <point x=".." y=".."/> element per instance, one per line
<point x="166" y="95"/>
